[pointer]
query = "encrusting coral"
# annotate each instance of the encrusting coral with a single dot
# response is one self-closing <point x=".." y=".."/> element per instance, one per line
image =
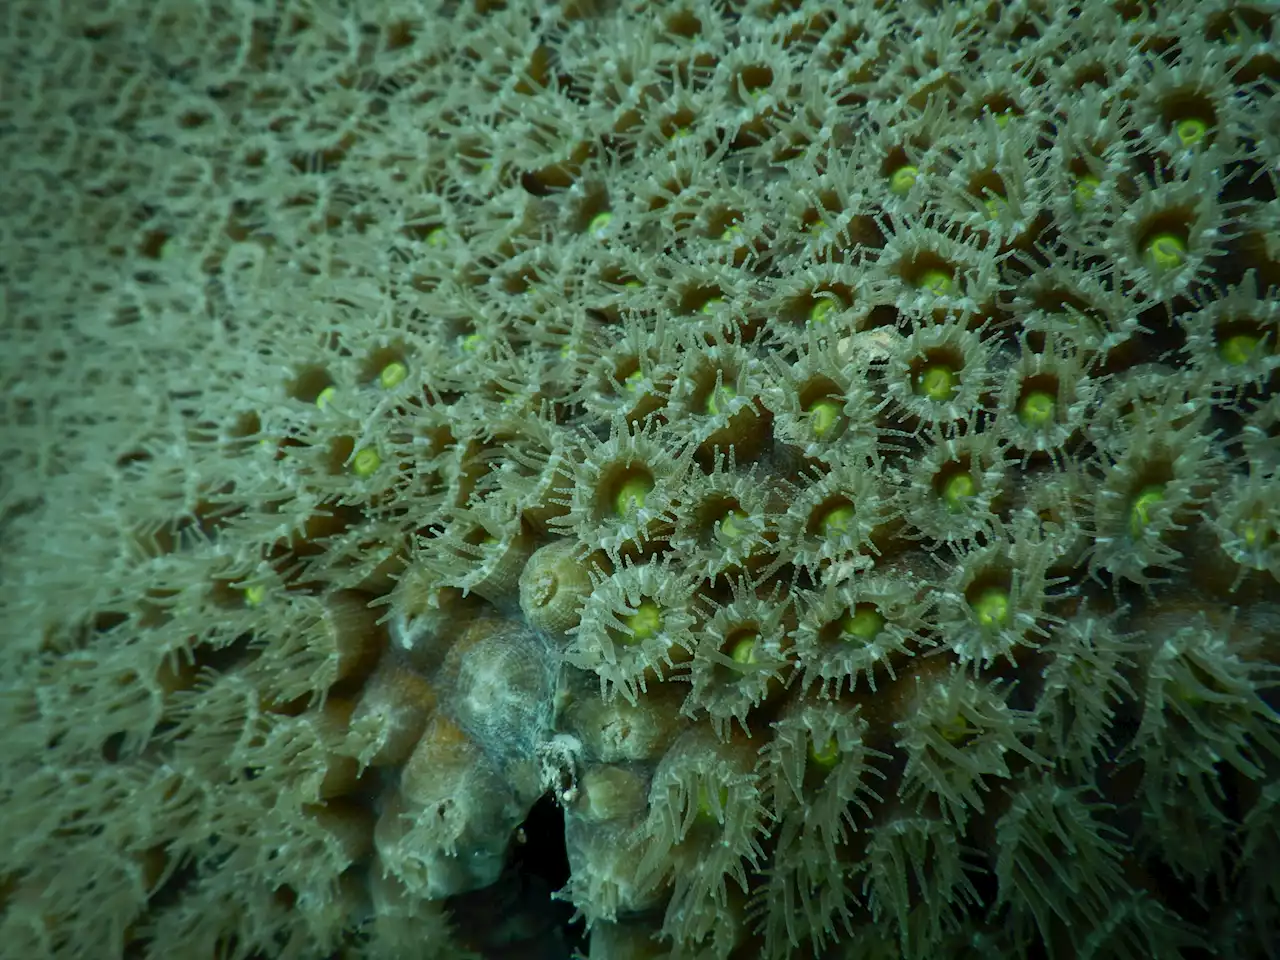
<point x="702" y="479"/>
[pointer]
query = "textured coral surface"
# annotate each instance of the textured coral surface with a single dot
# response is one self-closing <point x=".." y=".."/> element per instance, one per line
<point x="697" y="479"/>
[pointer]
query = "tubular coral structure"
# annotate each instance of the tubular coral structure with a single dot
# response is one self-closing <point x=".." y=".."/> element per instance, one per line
<point x="619" y="478"/>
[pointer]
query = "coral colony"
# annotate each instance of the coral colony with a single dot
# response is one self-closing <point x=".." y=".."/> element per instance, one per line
<point x="698" y="479"/>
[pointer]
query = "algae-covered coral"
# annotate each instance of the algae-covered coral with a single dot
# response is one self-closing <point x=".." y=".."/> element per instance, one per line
<point x="821" y="458"/>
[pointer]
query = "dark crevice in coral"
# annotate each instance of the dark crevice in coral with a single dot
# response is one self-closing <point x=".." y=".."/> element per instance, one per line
<point x="517" y="917"/>
<point x="540" y="848"/>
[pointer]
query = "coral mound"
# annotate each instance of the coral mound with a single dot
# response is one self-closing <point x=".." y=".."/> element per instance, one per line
<point x="699" y="479"/>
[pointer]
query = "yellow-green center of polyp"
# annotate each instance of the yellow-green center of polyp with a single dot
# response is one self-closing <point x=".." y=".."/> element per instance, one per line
<point x="991" y="607"/>
<point x="956" y="729"/>
<point x="821" y="310"/>
<point x="632" y="493"/>
<point x="705" y="809"/>
<point x="645" y="623"/>
<point x="864" y="623"/>
<point x="823" y="415"/>
<point x="837" y="520"/>
<point x="937" y="382"/>
<point x="1190" y="131"/>
<point x="1255" y="532"/>
<point x="1083" y="191"/>
<point x="392" y="375"/>
<point x="1037" y="410"/>
<point x="937" y="282"/>
<point x="824" y="755"/>
<point x="365" y="462"/>
<point x="731" y="524"/>
<point x="600" y="224"/>
<point x="718" y="398"/>
<point x="1165" y="251"/>
<point x="958" y="491"/>
<point x="1240" y="349"/>
<point x="1140" y="508"/>
<point x="903" y="179"/>
<point x="743" y="650"/>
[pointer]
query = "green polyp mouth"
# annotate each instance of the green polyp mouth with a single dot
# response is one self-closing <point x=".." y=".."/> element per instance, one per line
<point x="1255" y="533"/>
<point x="1240" y="349"/>
<point x="936" y="281"/>
<point x="958" y="492"/>
<point x="823" y="417"/>
<point x="645" y="623"/>
<point x="838" y="520"/>
<point x="823" y="308"/>
<point x="937" y="382"/>
<point x="731" y="527"/>
<point x="705" y="808"/>
<point x="1003" y="117"/>
<point x="825" y="755"/>
<point x="991" y="607"/>
<point x="600" y="224"/>
<point x="1082" y="194"/>
<point x="1037" y="410"/>
<point x="743" y="651"/>
<point x="863" y="624"/>
<point x="392" y="375"/>
<point x="1191" y="131"/>
<point x="718" y="398"/>
<point x="365" y="462"/>
<point x="903" y="179"/>
<point x="957" y="729"/>
<point x="1140" y="508"/>
<point x="631" y="495"/>
<point x="1165" y="251"/>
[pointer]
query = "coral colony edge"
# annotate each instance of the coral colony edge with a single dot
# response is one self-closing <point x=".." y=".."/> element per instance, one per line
<point x="698" y="479"/>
